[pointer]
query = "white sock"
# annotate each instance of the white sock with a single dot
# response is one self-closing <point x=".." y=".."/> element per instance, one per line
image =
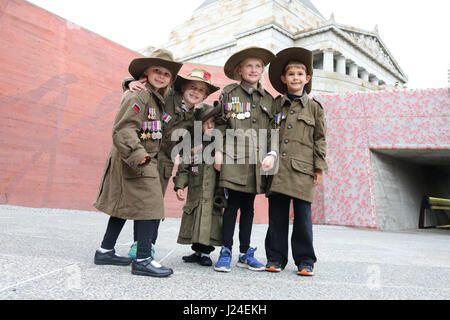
<point x="205" y="255"/>
<point x="105" y="250"/>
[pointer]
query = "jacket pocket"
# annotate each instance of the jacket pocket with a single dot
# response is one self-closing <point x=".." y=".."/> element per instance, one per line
<point x="306" y="129"/>
<point x="303" y="167"/>
<point x="188" y="219"/>
<point x="148" y="170"/>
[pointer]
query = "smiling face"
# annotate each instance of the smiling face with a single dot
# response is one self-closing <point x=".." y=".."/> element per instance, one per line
<point x="158" y="77"/>
<point x="194" y="92"/>
<point x="251" y="70"/>
<point x="295" y="78"/>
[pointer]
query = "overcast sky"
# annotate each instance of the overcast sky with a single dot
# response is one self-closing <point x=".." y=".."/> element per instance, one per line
<point x="416" y="32"/>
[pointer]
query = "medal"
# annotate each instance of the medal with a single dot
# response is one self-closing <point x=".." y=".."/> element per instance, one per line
<point x="158" y="135"/>
<point x="233" y="115"/>
<point x="194" y="171"/>
<point x="166" y="118"/>
<point x="152" y="114"/>
<point x="278" y="118"/>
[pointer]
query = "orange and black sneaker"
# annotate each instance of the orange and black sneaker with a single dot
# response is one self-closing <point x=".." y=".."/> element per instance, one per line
<point x="273" y="267"/>
<point x="305" y="270"/>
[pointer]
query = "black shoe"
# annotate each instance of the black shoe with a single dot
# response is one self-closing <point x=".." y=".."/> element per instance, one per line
<point x="192" y="258"/>
<point x="151" y="268"/>
<point x="205" y="261"/>
<point x="110" y="258"/>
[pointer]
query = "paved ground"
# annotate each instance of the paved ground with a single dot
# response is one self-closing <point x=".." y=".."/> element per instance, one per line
<point x="48" y="254"/>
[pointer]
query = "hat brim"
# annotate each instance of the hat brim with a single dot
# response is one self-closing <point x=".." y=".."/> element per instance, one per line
<point x="253" y="52"/>
<point x="178" y="84"/>
<point x="138" y="66"/>
<point x="283" y="57"/>
<point x="211" y="111"/>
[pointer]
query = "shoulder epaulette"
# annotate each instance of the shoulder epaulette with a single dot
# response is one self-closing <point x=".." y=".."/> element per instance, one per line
<point x="314" y="99"/>
<point x="230" y="88"/>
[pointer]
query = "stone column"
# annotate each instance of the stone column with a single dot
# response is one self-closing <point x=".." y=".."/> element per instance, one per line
<point x="365" y="75"/>
<point x="354" y="70"/>
<point x="341" y="64"/>
<point x="328" y="63"/>
<point x="375" y="81"/>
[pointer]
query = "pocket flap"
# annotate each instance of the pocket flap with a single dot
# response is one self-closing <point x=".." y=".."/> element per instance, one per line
<point x="147" y="170"/>
<point x="307" y="119"/>
<point x="189" y="207"/>
<point x="266" y="111"/>
<point x="303" y="167"/>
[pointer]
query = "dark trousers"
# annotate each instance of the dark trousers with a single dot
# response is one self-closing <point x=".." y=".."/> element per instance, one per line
<point x="243" y="201"/>
<point x="276" y="242"/>
<point x="198" y="247"/>
<point x="145" y="231"/>
<point x="155" y="236"/>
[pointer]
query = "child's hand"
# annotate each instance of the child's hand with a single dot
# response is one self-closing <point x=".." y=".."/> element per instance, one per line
<point x="218" y="159"/>
<point x="137" y="85"/>
<point x="144" y="161"/>
<point x="180" y="194"/>
<point x="268" y="163"/>
<point x="318" y="177"/>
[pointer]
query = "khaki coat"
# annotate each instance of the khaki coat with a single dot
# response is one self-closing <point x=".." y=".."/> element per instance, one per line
<point x="129" y="190"/>
<point x="302" y="147"/>
<point x="202" y="214"/>
<point x="242" y="171"/>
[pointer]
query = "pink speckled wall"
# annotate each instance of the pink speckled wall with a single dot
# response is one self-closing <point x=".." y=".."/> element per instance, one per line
<point x="359" y="122"/>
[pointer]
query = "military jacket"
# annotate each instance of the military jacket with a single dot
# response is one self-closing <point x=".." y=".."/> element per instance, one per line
<point x="129" y="190"/>
<point x="241" y="170"/>
<point x="202" y="214"/>
<point x="302" y="146"/>
<point x="175" y="118"/>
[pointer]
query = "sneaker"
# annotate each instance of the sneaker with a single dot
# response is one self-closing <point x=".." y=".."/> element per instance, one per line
<point x="133" y="250"/>
<point x="223" y="265"/>
<point x="273" y="267"/>
<point x="305" y="270"/>
<point x="247" y="260"/>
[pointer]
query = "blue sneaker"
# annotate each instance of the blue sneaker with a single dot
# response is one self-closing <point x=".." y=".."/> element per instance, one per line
<point x="133" y="250"/>
<point x="223" y="265"/>
<point x="247" y="260"/>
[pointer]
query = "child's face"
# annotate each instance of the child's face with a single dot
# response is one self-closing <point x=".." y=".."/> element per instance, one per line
<point x="208" y="125"/>
<point x="158" y="77"/>
<point x="295" y="78"/>
<point x="194" y="92"/>
<point x="251" y="70"/>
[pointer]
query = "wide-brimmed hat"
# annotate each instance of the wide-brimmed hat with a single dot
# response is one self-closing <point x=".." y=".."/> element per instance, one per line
<point x="252" y="52"/>
<point x="277" y="66"/>
<point x="205" y="111"/>
<point x="196" y="74"/>
<point x="159" y="57"/>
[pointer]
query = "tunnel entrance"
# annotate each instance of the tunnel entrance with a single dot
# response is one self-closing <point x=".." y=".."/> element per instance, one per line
<point x="402" y="178"/>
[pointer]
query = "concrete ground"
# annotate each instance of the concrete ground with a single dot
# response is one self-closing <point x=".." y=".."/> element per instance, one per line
<point x="48" y="254"/>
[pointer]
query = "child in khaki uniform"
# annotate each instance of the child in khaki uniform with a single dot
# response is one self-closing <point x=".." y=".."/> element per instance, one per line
<point x="302" y="152"/>
<point x="201" y="223"/>
<point x="248" y="107"/>
<point x="188" y="91"/>
<point x="130" y="187"/>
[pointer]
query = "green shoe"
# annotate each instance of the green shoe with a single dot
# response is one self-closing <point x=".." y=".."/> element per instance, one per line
<point x="133" y="250"/>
